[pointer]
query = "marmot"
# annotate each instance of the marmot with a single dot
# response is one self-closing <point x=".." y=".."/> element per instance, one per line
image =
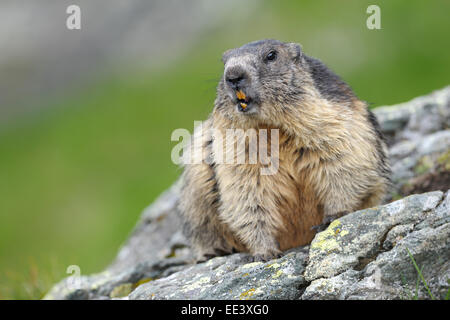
<point x="331" y="158"/>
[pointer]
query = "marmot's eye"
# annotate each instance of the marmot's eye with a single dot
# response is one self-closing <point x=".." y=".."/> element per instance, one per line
<point x="272" y="55"/>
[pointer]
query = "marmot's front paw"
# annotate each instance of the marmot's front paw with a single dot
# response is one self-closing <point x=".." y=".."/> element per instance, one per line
<point x="263" y="257"/>
<point x="321" y="227"/>
<point x="327" y="221"/>
<point x="211" y="254"/>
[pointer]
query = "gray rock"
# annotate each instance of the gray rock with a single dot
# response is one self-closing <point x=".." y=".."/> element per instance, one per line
<point x="393" y="119"/>
<point x="114" y="284"/>
<point x="418" y="135"/>
<point x="359" y="256"/>
<point x="396" y="234"/>
<point x="366" y="254"/>
<point x="436" y="142"/>
<point x="402" y="149"/>
<point x="359" y="235"/>
<point x="386" y="270"/>
<point x="231" y="278"/>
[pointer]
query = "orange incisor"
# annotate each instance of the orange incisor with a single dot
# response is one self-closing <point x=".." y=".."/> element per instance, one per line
<point x="241" y="96"/>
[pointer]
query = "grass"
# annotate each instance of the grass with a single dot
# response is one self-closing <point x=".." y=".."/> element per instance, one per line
<point x="420" y="278"/>
<point x="419" y="273"/>
<point x="75" y="176"/>
<point x="32" y="283"/>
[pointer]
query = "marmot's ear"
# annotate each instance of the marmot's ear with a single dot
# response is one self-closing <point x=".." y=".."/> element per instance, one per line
<point x="226" y="55"/>
<point x="295" y="50"/>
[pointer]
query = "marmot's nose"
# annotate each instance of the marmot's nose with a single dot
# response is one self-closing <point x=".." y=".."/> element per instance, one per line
<point x="235" y="77"/>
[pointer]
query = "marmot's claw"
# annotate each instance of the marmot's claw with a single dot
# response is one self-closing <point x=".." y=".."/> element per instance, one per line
<point x="326" y="221"/>
<point x="321" y="227"/>
<point x="248" y="258"/>
<point x="216" y="253"/>
<point x="266" y="257"/>
<point x="202" y="259"/>
<point x="262" y="258"/>
<point x="222" y="252"/>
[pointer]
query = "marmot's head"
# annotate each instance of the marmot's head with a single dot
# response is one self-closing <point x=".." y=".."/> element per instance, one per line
<point x="260" y="78"/>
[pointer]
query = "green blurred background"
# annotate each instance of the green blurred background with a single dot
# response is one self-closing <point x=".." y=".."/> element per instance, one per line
<point x="77" y="170"/>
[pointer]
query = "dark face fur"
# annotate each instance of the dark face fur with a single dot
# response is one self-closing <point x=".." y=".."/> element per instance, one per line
<point x="259" y="78"/>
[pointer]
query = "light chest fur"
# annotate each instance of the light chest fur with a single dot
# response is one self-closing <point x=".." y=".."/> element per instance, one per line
<point x="286" y="200"/>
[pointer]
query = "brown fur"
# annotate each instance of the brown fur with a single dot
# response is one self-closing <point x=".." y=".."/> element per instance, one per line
<point x="331" y="160"/>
